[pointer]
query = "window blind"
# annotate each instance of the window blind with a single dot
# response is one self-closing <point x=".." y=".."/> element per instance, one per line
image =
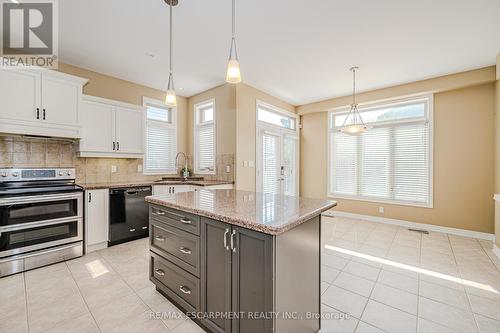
<point x="389" y="162"/>
<point x="205" y="144"/>
<point x="269" y="163"/>
<point x="161" y="141"/>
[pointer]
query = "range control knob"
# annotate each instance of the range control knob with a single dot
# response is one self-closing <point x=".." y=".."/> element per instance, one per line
<point x="69" y="173"/>
<point x="15" y="174"/>
<point x="61" y="173"/>
<point x="3" y="174"/>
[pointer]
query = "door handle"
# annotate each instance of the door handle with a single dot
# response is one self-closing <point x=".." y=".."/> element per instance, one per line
<point x="37" y="113"/>
<point x="185" y="221"/>
<point x="232" y="241"/>
<point x="90" y="197"/>
<point x="144" y="228"/>
<point x="185" y="250"/>
<point x="185" y="290"/>
<point x="43" y="114"/>
<point x="131" y="229"/>
<point x="118" y="145"/>
<point x="114" y="145"/>
<point x="225" y="239"/>
<point x="159" y="272"/>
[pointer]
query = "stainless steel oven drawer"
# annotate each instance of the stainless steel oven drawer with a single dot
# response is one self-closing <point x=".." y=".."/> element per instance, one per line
<point x="180" y="285"/>
<point x="24" y="262"/>
<point x="180" y="247"/>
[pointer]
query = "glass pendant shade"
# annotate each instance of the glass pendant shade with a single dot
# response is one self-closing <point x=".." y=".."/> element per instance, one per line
<point x="233" y="71"/>
<point x="353" y="129"/>
<point x="353" y="123"/>
<point x="171" y="99"/>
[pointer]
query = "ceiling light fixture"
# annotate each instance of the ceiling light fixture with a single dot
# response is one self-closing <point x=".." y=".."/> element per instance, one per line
<point x="356" y="125"/>
<point x="233" y="74"/>
<point x="170" y="98"/>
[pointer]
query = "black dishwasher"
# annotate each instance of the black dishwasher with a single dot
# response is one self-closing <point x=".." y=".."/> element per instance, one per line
<point x="128" y="214"/>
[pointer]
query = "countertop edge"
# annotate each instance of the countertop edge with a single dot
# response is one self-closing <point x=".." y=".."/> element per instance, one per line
<point x="275" y="231"/>
<point x="99" y="186"/>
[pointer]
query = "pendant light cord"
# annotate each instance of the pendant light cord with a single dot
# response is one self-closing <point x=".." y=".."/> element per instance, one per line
<point x="233" y="35"/>
<point x="354" y="107"/>
<point x="170" y="78"/>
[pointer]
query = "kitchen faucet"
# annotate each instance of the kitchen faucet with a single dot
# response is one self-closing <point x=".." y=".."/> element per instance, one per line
<point x="185" y="173"/>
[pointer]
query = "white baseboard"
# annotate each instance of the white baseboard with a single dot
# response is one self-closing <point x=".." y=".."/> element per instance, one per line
<point x="96" y="247"/>
<point x="416" y="225"/>
<point x="496" y="251"/>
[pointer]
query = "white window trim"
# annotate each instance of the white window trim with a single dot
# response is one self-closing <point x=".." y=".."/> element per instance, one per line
<point x="264" y="126"/>
<point x="196" y="147"/>
<point x="362" y="107"/>
<point x="145" y="102"/>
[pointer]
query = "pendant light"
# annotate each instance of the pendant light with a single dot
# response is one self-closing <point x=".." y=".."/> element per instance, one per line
<point x="355" y="125"/>
<point x="233" y="74"/>
<point x="170" y="98"/>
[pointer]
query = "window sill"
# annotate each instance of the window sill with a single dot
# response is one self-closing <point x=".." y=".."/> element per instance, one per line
<point x="159" y="173"/>
<point x="379" y="200"/>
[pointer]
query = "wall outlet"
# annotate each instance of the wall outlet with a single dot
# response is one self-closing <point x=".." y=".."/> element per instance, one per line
<point x="251" y="164"/>
<point x="139" y="167"/>
<point x="228" y="168"/>
<point x="114" y="169"/>
<point x="381" y="209"/>
<point x="245" y="164"/>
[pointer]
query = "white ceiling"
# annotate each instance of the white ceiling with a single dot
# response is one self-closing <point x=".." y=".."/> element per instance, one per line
<point x="299" y="51"/>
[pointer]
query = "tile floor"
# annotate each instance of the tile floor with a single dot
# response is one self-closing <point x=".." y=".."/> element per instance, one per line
<point x="386" y="278"/>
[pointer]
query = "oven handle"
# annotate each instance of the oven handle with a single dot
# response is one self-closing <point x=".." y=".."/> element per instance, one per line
<point x="40" y="198"/>
<point x="31" y="225"/>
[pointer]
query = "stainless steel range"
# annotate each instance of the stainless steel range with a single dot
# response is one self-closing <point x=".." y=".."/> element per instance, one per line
<point x="41" y="218"/>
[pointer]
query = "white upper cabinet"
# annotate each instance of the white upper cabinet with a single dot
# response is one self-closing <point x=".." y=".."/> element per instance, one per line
<point x="18" y="103"/>
<point x="40" y="102"/>
<point x="111" y="129"/>
<point x="60" y="100"/>
<point x="129" y="133"/>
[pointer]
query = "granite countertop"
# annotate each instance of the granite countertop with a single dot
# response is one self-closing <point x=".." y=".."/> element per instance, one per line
<point x="96" y="186"/>
<point x="268" y="213"/>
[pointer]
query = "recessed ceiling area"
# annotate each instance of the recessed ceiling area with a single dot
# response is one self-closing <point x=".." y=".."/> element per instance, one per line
<point x="298" y="51"/>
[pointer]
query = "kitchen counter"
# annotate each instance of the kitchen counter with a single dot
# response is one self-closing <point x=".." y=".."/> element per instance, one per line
<point x="96" y="186"/>
<point x="266" y="213"/>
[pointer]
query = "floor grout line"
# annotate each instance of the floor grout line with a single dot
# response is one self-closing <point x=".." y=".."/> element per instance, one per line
<point x="26" y="303"/>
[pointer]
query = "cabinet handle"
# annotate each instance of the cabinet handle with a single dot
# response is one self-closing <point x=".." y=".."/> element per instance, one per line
<point x="232" y="241"/>
<point x="114" y="145"/>
<point x="131" y="229"/>
<point x="144" y="228"/>
<point x="159" y="213"/>
<point x="185" y="250"/>
<point x="90" y="197"/>
<point x="37" y="113"/>
<point x="225" y="239"/>
<point x="185" y="221"/>
<point x="43" y="114"/>
<point x="185" y="290"/>
<point x="118" y="145"/>
<point x="159" y="272"/>
<point x="160" y="238"/>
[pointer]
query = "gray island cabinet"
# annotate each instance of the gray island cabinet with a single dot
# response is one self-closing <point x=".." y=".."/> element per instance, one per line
<point x="237" y="261"/>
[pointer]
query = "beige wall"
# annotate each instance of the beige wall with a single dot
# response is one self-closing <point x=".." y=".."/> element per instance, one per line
<point x="120" y="90"/>
<point x="246" y="97"/>
<point x="463" y="162"/>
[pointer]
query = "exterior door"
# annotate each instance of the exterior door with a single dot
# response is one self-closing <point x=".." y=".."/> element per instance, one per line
<point x="277" y="162"/>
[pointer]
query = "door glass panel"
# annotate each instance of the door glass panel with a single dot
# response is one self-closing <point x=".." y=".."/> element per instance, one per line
<point x="31" y="212"/>
<point x="270" y="163"/>
<point x="289" y="164"/>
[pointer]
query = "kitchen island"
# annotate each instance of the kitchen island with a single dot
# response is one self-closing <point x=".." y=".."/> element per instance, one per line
<point x="239" y="261"/>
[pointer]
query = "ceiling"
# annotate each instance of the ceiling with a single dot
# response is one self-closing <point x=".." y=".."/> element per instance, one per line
<point x="299" y="51"/>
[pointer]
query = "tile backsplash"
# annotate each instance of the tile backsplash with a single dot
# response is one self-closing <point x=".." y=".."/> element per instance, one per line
<point x="22" y="152"/>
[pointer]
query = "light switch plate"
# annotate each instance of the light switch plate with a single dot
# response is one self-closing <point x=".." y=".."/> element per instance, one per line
<point x="228" y="168"/>
<point x="245" y="164"/>
<point x="251" y="164"/>
<point x="381" y="209"/>
<point x="139" y="167"/>
<point x="114" y="169"/>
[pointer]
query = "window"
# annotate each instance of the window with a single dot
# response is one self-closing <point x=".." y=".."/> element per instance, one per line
<point x="391" y="162"/>
<point x="204" y="137"/>
<point x="270" y="116"/>
<point x="161" y="138"/>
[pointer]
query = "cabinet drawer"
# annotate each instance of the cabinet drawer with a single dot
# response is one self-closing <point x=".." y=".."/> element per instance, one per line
<point x="182" y="220"/>
<point x="183" y="287"/>
<point x="180" y="247"/>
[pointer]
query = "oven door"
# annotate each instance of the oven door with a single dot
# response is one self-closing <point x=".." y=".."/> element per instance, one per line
<point x="39" y="235"/>
<point x="28" y="209"/>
